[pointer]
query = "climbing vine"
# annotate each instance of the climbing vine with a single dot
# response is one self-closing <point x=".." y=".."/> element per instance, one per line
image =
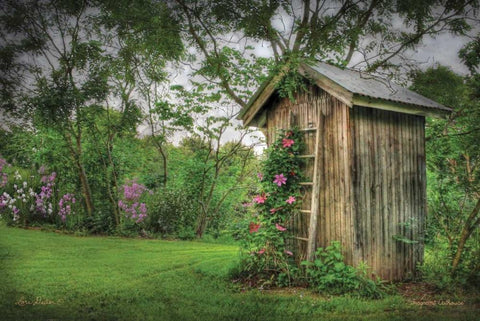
<point x="268" y="256"/>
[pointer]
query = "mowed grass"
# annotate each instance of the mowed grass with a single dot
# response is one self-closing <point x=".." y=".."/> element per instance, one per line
<point x="49" y="276"/>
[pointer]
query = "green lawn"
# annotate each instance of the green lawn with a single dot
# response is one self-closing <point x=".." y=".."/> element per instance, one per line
<point x="49" y="276"/>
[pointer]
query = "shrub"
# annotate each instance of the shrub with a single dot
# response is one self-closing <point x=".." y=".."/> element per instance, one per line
<point x="130" y="203"/>
<point x="329" y="274"/>
<point x="28" y="197"/>
<point x="171" y="212"/>
<point x="436" y="268"/>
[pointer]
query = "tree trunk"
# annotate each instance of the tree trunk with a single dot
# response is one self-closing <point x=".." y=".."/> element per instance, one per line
<point x="86" y="191"/>
<point x="113" y="183"/>
<point x="470" y="226"/>
<point x="201" y="225"/>
<point x="165" y="163"/>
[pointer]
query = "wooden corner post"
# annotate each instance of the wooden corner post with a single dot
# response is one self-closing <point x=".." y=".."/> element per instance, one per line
<point x="314" y="208"/>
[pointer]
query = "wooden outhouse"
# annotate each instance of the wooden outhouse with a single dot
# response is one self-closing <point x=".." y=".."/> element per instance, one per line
<point x="365" y="164"/>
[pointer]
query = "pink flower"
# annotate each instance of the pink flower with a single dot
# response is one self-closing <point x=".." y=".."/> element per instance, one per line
<point x="261" y="252"/>
<point x="290" y="200"/>
<point x="52" y="176"/>
<point x="286" y="142"/>
<point x="260" y="199"/>
<point x="253" y="227"/>
<point x="280" y="179"/>
<point x="246" y="204"/>
<point x="273" y="210"/>
<point x="280" y="228"/>
<point x="260" y="176"/>
<point x="288" y="253"/>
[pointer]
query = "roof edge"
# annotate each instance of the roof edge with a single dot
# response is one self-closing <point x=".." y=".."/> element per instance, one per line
<point x="261" y="96"/>
<point x="412" y="109"/>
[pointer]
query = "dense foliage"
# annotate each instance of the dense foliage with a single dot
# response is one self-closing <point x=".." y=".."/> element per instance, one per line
<point x="329" y="274"/>
<point x="37" y="188"/>
<point x="453" y="160"/>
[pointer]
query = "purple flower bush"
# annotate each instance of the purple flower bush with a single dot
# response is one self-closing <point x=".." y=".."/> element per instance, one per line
<point x="65" y="206"/>
<point x="31" y="198"/>
<point x="43" y="204"/>
<point x="130" y="203"/>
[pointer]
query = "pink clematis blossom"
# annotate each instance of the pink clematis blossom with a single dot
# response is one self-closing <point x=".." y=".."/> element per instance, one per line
<point x="286" y="142"/>
<point x="288" y="252"/>
<point x="260" y="199"/>
<point x="260" y="176"/>
<point x="253" y="227"/>
<point x="261" y="252"/>
<point x="280" y="179"/>
<point x="290" y="200"/>
<point x="280" y="228"/>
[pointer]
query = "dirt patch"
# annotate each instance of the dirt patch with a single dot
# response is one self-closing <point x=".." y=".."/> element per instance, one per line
<point x="418" y="291"/>
<point x="424" y="294"/>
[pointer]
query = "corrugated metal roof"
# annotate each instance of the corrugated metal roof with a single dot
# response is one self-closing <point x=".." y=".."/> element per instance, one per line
<point x="375" y="87"/>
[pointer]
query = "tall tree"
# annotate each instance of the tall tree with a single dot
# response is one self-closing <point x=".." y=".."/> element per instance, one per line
<point x="374" y="32"/>
<point x="148" y="40"/>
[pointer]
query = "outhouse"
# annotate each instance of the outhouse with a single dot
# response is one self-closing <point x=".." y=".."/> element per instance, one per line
<point x="364" y="163"/>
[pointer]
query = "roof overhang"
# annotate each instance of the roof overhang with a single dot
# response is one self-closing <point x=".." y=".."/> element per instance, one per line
<point x="254" y="113"/>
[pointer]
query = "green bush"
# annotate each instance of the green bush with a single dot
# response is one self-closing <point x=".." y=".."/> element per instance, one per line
<point x="329" y="274"/>
<point x="171" y="212"/>
<point x="101" y="223"/>
<point x="436" y="268"/>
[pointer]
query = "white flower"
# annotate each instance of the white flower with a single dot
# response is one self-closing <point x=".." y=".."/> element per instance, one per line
<point x="25" y="184"/>
<point x="17" y="175"/>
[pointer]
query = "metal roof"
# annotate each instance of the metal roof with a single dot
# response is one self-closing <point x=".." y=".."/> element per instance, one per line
<point x="351" y="87"/>
<point x="365" y="84"/>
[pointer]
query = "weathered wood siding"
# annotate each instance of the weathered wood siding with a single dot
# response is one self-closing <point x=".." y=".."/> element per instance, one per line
<point x="372" y="180"/>
<point x="389" y="190"/>
<point x="317" y="109"/>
